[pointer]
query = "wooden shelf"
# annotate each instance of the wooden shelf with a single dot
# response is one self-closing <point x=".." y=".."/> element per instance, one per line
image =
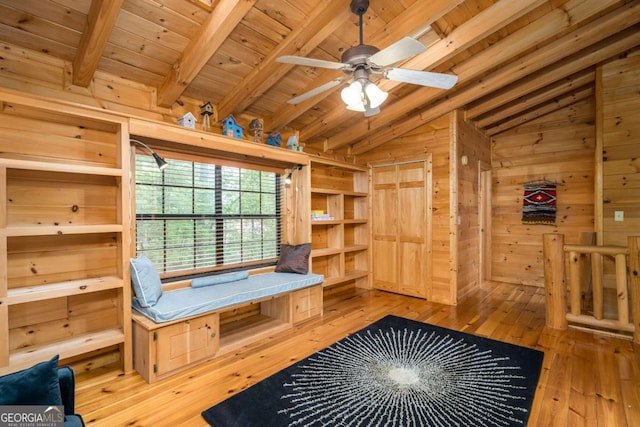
<point x="52" y="230"/>
<point x="70" y="347"/>
<point x="318" y="190"/>
<point x="326" y="222"/>
<point x="355" y="248"/>
<point x="316" y="253"/>
<point x="62" y="289"/>
<point x="58" y="166"/>
<point x="356" y="221"/>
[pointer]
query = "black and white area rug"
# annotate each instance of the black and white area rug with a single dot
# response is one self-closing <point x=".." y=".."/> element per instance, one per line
<point x="395" y="372"/>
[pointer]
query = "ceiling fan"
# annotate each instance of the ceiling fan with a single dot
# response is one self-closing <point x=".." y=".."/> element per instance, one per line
<point x="360" y="61"/>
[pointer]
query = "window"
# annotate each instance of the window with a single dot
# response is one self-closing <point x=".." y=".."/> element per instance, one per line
<point x="193" y="217"/>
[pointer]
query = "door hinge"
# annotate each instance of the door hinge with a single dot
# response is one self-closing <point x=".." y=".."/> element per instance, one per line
<point x="155" y="368"/>
<point x="155" y="336"/>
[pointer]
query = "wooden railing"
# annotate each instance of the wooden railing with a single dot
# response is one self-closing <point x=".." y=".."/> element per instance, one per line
<point x="627" y="277"/>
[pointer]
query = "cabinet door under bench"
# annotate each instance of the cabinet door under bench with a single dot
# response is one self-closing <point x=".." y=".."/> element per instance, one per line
<point x="161" y="350"/>
<point x="306" y="303"/>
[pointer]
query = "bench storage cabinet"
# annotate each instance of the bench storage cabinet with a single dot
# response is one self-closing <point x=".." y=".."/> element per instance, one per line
<point x="163" y="348"/>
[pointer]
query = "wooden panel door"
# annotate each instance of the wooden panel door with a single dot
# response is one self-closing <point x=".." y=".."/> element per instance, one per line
<point x="399" y="228"/>
<point x="412" y="229"/>
<point x="384" y="228"/>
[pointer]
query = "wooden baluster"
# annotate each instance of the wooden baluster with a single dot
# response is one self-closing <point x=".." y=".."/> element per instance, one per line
<point x="621" y="287"/>
<point x="575" y="283"/>
<point x="554" y="283"/>
<point x="634" y="269"/>
<point x="596" y="281"/>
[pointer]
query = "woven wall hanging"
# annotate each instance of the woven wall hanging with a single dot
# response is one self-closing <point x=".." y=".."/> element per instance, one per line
<point x="539" y="203"/>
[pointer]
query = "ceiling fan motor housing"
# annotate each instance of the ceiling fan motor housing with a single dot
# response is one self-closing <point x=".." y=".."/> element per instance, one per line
<point x="358" y="55"/>
<point x="359" y="7"/>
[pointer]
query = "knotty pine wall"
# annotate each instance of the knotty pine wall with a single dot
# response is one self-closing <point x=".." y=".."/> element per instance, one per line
<point x="558" y="147"/>
<point x="467" y="141"/>
<point x="39" y="74"/>
<point x="453" y="267"/>
<point x="619" y="106"/>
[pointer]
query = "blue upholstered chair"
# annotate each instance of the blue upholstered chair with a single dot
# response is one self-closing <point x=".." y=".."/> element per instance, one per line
<point x="43" y="384"/>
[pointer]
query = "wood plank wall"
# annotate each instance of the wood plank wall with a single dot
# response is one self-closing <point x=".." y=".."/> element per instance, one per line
<point x="558" y="147"/>
<point x="39" y="74"/>
<point x="619" y="104"/>
<point x="469" y="142"/>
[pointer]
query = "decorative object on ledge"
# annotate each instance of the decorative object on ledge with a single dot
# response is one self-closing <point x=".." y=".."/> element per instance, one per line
<point x="539" y="203"/>
<point x="256" y="127"/>
<point x="188" y="121"/>
<point x="292" y="143"/>
<point x="274" y="139"/>
<point x="230" y="127"/>
<point x="207" y="110"/>
<point x="162" y="163"/>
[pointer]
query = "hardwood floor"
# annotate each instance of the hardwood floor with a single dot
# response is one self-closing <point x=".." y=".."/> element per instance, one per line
<point x="586" y="380"/>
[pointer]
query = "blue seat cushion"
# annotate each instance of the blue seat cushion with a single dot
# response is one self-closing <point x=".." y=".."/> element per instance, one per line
<point x="186" y="302"/>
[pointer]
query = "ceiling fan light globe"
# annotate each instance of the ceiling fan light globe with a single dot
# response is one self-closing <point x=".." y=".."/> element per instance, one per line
<point x="359" y="107"/>
<point x="375" y="95"/>
<point x="352" y="94"/>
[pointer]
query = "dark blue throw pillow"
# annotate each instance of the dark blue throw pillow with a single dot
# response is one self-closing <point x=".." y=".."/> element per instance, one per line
<point x="37" y="385"/>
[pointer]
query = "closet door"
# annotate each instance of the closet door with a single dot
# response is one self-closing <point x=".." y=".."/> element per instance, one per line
<point x="384" y="228"/>
<point x="412" y="229"/>
<point x="399" y="228"/>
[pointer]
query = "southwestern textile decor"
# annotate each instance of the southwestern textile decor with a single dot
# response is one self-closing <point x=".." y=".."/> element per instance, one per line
<point x="539" y="203"/>
<point x="395" y="372"/>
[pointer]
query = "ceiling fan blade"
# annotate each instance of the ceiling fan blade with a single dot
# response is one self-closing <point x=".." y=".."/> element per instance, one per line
<point x="313" y="92"/>
<point x="310" y="62"/>
<point x="402" y="49"/>
<point x="424" y="78"/>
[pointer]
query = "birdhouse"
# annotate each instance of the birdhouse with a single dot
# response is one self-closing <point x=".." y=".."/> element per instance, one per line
<point x="256" y="127"/>
<point x="274" y="139"/>
<point x="206" y="111"/>
<point x="188" y="121"/>
<point x="292" y="143"/>
<point x="231" y="128"/>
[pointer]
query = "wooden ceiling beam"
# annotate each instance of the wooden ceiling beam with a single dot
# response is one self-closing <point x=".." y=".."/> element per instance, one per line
<point x="558" y="103"/>
<point x="325" y="18"/>
<point x="485" y="23"/>
<point x="603" y="49"/>
<point x="101" y="18"/>
<point x="213" y="32"/>
<point x="547" y="27"/>
<point x="526" y="101"/>
<point x="414" y="18"/>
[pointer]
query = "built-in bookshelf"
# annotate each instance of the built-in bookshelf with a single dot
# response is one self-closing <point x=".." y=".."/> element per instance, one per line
<point x="64" y="281"/>
<point x="339" y="222"/>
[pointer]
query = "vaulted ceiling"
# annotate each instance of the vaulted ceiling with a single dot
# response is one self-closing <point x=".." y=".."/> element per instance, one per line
<point x="515" y="60"/>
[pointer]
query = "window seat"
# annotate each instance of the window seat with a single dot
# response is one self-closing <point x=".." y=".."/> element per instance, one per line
<point x="186" y="302"/>
<point x="191" y="325"/>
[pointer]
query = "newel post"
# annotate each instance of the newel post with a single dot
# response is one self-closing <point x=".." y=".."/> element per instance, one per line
<point x="634" y="274"/>
<point x="556" y="307"/>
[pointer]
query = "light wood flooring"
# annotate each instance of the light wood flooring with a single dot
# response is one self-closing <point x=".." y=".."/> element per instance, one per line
<point x="586" y="380"/>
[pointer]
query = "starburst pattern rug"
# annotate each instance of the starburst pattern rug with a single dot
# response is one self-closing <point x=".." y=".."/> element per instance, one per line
<point x="395" y="372"/>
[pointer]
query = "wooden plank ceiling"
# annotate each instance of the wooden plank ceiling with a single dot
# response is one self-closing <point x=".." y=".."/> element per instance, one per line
<point x="515" y="60"/>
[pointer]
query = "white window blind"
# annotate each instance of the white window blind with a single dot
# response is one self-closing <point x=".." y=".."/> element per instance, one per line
<point x="193" y="217"/>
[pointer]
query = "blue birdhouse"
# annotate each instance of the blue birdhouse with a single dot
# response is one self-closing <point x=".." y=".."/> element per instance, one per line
<point x="231" y="128"/>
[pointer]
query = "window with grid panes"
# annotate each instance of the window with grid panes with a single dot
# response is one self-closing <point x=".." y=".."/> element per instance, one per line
<point x="194" y="217"/>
